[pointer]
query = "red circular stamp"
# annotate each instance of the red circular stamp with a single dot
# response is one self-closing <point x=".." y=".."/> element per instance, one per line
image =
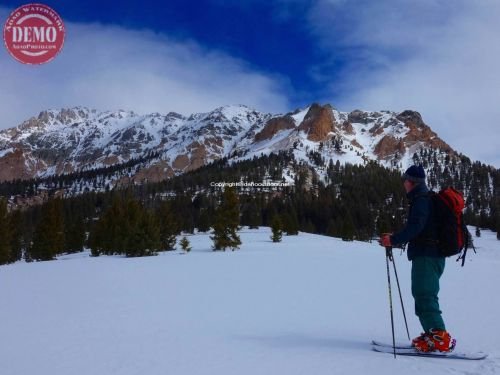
<point x="34" y="34"/>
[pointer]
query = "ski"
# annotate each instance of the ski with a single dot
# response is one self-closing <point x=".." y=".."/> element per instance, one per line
<point x="415" y="353"/>
<point x="399" y="345"/>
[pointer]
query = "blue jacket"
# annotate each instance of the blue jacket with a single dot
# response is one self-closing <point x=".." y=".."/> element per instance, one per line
<point x="420" y="230"/>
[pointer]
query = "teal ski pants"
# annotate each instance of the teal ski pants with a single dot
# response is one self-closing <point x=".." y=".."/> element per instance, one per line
<point x="425" y="274"/>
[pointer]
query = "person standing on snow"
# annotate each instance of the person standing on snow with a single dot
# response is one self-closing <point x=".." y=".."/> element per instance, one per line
<point x="427" y="263"/>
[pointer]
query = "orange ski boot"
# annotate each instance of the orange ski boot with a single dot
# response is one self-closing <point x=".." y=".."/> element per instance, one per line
<point x="434" y="340"/>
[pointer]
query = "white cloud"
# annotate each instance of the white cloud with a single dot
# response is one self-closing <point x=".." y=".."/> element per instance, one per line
<point x="108" y="67"/>
<point x="441" y="58"/>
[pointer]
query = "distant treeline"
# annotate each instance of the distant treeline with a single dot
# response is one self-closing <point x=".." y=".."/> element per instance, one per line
<point x="352" y="202"/>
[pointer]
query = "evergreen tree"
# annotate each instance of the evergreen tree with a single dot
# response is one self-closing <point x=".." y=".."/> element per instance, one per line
<point x="109" y="234"/>
<point x="383" y="223"/>
<point x="185" y="245"/>
<point x="5" y="234"/>
<point x="48" y="239"/>
<point x="227" y="220"/>
<point x="291" y="222"/>
<point x="134" y="235"/>
<point x="168" y="226"/>
<point x="75" y="234"/>
<point x="331" y="229"/>
<point x="16" y="232"/>
<point x="125" y="228"/>
<point x="95" y="240"/>
<point x="144" y="232"/>
<point x="309" y="227"/>
<point x="182" y="206"/>
<point x="277" y="228"/>
<point x="496" y="205"/>
<point x="253" y="215"/>
<point x="151" y="229"/>
<point x="348" y="229"/>
<point x="204" y="221"/>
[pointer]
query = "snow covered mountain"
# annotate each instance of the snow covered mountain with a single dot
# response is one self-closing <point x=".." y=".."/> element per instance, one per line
<point x="78" y="139"/>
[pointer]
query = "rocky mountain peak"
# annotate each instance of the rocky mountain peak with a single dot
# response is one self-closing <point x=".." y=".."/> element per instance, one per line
<point x="411" y="117"/>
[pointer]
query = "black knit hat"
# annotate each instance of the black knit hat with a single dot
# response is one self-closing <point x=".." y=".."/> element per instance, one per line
<point x="415" y="173"/>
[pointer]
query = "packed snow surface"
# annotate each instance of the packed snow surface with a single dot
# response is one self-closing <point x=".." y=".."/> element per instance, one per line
<point x="308" y="305"/>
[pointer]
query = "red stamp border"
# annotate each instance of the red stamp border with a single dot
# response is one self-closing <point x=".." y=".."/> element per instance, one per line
<point x="18" y="9"/>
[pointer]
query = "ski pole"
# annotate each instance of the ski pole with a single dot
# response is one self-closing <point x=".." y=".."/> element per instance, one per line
<point x="388" y="256"/>
<point x="400" y="296"/>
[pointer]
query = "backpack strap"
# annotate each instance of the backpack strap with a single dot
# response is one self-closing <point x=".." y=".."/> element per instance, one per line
<point x="425" y="240"/>
<point x="425" y="194"/>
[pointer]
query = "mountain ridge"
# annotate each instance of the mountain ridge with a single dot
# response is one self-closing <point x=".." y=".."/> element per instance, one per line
<point x="76" y="139"/>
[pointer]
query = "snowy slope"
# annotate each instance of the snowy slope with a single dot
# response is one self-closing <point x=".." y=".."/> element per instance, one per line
<point x="308" y="305"/>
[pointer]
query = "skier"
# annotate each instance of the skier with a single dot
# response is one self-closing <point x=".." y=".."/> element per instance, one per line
<point x="427" y="263"/>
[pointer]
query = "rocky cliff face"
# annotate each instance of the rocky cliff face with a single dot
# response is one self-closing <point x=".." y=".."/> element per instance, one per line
<point x="319" y="123"/>
<point x="78" y="139"/>
<point x="274" y="126"/>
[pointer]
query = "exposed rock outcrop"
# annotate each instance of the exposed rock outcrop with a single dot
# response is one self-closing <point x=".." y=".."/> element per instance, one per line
<point x="273" y="126"/>
<point x="318" y="123"/>
<point x="388" y="146"/>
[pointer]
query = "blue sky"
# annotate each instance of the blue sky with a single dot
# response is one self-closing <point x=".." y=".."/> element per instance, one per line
<point x="438" y="57"/>
<point x="272" y="38"/>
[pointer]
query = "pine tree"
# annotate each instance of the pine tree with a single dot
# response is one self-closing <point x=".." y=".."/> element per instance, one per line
<point x="254" y="216"/>
<point x="147" y="234"/>
<point x="185" y="245"/>
<point x="309" y="227"/>
<point x="75" y="234"/>
<point x="291" y="222"/>
<point x="227" y="220"/>
<point x="125" y="228"/>
<point x="5" y="234"/>
<point x="348" y="228"/>
<point x="97" y="237"/>
<point x="95" y="240"/>
<point x="151" y="229"/>
<point x="331" y="229"/>
<point x="143" y="237"/>
<point x="16" y="232"/>
<point x="134" y="236"/>
<point x="383" y="223"/>
<point x="109" y="234"/>
<point x="497" y="205"/>
<point x="277" y="228"/>
<point x="48" y="239"/>
<point x="168" y="226"/>
<point x="204" y="221"/>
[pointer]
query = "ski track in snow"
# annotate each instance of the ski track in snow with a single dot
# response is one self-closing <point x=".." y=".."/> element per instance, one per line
<point x="308" y="305"/>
